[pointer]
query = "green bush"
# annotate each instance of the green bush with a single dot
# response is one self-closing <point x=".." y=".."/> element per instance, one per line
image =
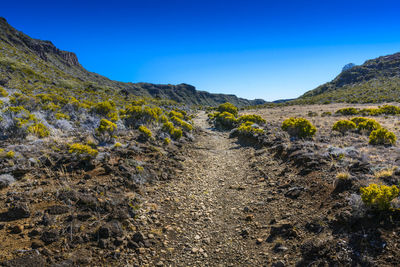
<point x="347" y="111"/>
<point x="248" y="129"/>
<point x="379" y="197"/>
<point x="3" y="92"/>
<point x="382" y="136"/>
<point x="82" y="151"/>
<point x="343" y="126"/>
<point x="62" y="116"/>
<point x="106" y="126"/>
<point x="139" y="115"/>
<point x="369" y="112"/>
<point x="177" y="133"/>
<point x="368" y="125"/>
<point x="21" y="120"/>
<point x="357" y="120"/>
<point x="169" y="128"/>
<point x="389" y="110"/>
<point x="146" y="133"/>
<point x="105" y="132"/>
<point x="167" y="141"/>
<point x="228" y="107"/>
<point x="211" y="116"/>
<point x="104" y="108"/>
<point x="225" y="120"/>
<point x="251" y="117"/>
<point x="174" y="113"/>
<point x="39" y="130"/>
<point x="298" y="127"/>
<point x="178" y="121"/>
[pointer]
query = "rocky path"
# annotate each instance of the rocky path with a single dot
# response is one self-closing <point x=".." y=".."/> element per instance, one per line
<point x="206" y="215"/>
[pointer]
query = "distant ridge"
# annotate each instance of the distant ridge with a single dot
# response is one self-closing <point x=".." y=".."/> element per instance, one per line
<point x="32" y="63"/>
<point x="283" y="100"/>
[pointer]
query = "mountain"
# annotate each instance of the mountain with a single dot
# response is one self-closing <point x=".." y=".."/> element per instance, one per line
<point x="37" y="66"/>
<point x="375" y="81"/>
<point x="348" y="66"/>
<point x="279" y="101"/>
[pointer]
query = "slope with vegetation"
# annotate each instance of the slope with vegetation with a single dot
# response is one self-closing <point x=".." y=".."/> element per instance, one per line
<point x="375" y="81"/>
<point x="39" y="66"/>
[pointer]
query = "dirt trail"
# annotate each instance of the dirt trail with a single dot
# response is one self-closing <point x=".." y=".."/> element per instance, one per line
<point x="206" y="213"/>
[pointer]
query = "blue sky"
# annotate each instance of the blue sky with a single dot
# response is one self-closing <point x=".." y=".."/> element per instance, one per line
<point x="254" y="49"/>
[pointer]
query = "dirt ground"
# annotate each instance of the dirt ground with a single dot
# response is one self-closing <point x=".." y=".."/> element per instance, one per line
<point x="234" y="205"/>
<point x="221" y="202"/>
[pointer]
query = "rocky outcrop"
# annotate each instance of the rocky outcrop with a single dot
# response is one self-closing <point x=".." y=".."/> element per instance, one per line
<point x="43" y="49"/>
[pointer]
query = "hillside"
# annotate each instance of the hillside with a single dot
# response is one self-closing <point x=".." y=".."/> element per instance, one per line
<point x="39" y="66"/>
<point x="375" y="81"/>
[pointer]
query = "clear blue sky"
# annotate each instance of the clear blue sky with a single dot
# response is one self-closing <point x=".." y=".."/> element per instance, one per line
<point x="254" y="49"/>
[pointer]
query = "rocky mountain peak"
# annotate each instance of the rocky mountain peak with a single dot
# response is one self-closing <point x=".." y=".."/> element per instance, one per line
<point x="348" y="66"/>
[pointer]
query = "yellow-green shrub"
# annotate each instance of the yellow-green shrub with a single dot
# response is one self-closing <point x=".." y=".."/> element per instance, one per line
<point x="248" y="129"/>
<point x="225" y="120"/>
<point x="298" y="127"/>
<point x="347" y="111"/>
<point x="27" y="101"/>
<point x="3" y="92"/>
<point x="228" y="107"/>
<point x="105" y="132"/>
<point x="145" y="131"/>
<point x="343" y="126"/>
<point x="104" y="108"/>
<point x="368" y="125"/>
<point x="137" y="115"/>
<point x="117" y="144"/>
<point x="39" y="129"/>
<point x="167" y="141"/>
<point x="61" y="116"/>
<point x="379" y="196"/>
<point x="177" y="133"/>
<point x="82" y="151"/>
<point x="10" y="154"/>
<point x="186" y="126"/>
<point x="369" y="112"/>
<point x="20" y="115"/>
<point x="113" y="116"/>
<point x="389" y="110"/>
<point x="51" y="106"/>
<point x="163" y="118"/>
<point x="106" y="126"/>
<point x="251" y="117"/>
<point x="382" y="136"/>
<point x="169" y="128"/>
<point x="212" y="115"/>
<point x="177" y="114"/>
<point x="358" y="120"/>
<point x="21" y="120"/>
